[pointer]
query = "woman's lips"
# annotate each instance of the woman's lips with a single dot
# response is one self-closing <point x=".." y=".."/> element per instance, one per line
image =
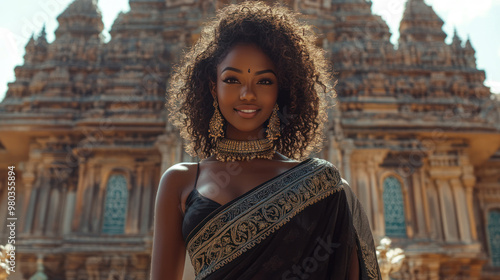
<point x="247" y="113"/>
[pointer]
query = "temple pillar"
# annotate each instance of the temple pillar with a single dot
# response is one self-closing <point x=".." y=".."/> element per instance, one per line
<point x="135" y="194"/>
<point x="80" y="193"/>
<point x="377" y="210"/>
<point x="409" y="210"/>
<point x="448" y="210"/>
<point x="146" y="199"/>
<point x="348" y="147"/>
<point x="425" y="200"/>
<point x="99" y="187"/>
<point x="52" y="219"/>
<point x="42" y="201"/>
<point x="470" y="206"/>
<point x="154" y="190"/>
<point x="28" y="180"/>
<point x="468" y="180"/>
<point x="334" y="153"/>
<point x="462" y="212"/>
<point x="69" y="210"/>
<point x="85" y="198"/>
<point x="435" y="213"/>
<point x="420" y="231"/>
<point x="30" y="210"/>
<point x="362" y="189"/>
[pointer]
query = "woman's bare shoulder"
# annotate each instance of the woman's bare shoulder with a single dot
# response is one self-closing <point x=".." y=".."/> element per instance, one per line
<point x="177" y="178"/>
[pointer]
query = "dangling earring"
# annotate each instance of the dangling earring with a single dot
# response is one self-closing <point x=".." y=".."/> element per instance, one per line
<point x="215" y="129"/>
<point x="273" y="128"/>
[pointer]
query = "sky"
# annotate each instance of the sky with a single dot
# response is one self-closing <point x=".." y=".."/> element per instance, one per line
<point x="476" y="19"/>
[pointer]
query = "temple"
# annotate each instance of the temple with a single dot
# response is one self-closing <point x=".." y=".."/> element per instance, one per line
<point x="414" y="131"/>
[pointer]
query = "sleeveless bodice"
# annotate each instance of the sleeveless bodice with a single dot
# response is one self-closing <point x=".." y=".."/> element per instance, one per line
<point x="197" y="208"/>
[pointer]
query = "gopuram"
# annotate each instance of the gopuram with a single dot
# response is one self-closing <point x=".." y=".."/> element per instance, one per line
<point x="414" y="131"/>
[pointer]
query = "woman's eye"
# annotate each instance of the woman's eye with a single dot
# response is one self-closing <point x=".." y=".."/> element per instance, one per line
<point x="265" y="82"/>
<point x="230" y="80"/>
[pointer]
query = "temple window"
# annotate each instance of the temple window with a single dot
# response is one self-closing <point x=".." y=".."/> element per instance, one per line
<point x="115" y="205"/>
<point x="494" y="236"/>
<point x="394" y="211"/>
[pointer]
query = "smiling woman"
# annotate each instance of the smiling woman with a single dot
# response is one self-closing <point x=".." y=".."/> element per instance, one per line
<point x="299" y="67"/>
<point x="250" y="98"/>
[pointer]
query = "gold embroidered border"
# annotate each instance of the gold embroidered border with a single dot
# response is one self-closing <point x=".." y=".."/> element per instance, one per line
<point x="370" y="260"/>
<point x="247" y="222"/>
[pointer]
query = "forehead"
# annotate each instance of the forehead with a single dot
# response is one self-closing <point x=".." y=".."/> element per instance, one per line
<point x="246" y="56"/>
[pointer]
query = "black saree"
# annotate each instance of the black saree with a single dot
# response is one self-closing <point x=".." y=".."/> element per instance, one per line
<point x="302" y="224"/>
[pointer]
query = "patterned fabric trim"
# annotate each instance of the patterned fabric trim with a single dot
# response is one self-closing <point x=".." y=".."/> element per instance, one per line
<point x="255" y="216"/>
<point x="363" y="234"/>
<point x="370" y="260"/>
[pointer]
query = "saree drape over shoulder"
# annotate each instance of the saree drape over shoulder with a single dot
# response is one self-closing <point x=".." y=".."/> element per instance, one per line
<point x="303" y="224"/>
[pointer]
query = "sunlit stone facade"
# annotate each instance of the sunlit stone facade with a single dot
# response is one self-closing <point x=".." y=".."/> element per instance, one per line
<point x="414" y="131"/>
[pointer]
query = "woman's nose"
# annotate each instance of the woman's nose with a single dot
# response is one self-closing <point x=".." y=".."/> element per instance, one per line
<point x="247" y="93"/>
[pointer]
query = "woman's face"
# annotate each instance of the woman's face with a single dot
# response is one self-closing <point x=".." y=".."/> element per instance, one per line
<point x="246" y="89"/>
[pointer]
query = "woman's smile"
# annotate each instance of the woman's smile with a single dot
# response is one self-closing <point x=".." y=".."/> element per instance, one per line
<point x="247" y="111"/>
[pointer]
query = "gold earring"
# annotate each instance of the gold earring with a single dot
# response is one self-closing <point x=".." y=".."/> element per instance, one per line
<point x="215" y="129"/>
<point x="273" y="128"/>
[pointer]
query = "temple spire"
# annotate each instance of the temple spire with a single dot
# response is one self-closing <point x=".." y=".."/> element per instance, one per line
<point x="469" y="54"/>
<point x="81" y="18"/>
<point x="420" y="23"/>
<point x="468" y="44"/>
<point x="457" y="42"/>
<point x="36" y="49"/>
<point x="31" y="42"/>
<point x="42" y="37"/>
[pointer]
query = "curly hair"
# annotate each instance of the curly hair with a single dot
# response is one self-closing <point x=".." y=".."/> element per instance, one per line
<point x="303" y="80"/>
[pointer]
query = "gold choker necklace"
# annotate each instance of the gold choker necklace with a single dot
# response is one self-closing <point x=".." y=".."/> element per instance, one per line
<point x="232" y="150"/>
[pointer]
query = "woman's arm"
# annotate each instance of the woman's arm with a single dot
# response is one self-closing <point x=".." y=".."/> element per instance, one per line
<point x="354" y="265"/>
<point x="168" y="245"/>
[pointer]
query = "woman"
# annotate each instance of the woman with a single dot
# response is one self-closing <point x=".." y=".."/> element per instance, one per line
<point x="249" y="98"/>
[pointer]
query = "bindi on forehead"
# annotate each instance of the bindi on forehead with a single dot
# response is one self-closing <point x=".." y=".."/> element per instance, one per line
<point x="248" y="70"/>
